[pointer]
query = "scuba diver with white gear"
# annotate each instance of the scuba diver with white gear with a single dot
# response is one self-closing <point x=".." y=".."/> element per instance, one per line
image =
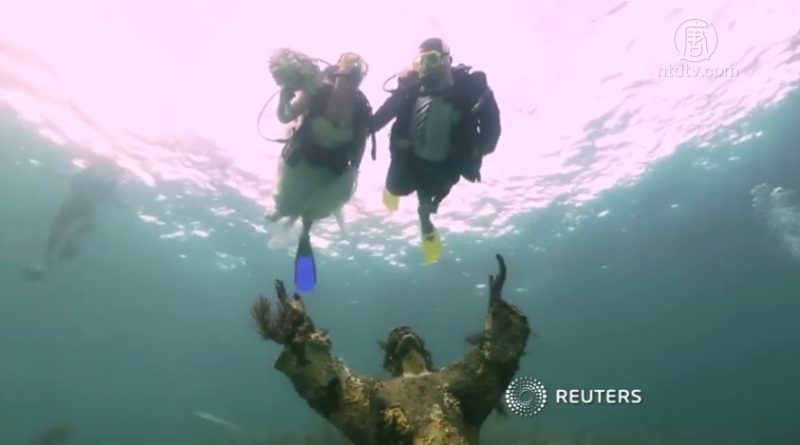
<point x="319" y="163"/>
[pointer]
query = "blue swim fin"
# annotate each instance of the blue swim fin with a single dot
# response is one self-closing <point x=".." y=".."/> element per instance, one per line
<point x="305" y="269"/>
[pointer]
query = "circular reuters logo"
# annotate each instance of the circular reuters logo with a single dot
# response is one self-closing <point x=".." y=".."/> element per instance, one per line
<point x="525" y="396"/>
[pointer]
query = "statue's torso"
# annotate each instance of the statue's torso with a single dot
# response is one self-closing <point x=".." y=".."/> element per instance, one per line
<point x="422" y="410"/>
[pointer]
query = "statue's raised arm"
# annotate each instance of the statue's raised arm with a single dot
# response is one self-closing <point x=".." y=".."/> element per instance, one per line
<point x="482" y="376"/>
<point x="323" y="380"/>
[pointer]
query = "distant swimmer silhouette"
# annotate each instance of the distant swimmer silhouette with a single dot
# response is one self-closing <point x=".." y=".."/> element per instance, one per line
<point x="89" y="190"/>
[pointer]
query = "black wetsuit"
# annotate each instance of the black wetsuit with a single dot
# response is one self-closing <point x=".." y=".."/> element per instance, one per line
<point x="474" y="135"/>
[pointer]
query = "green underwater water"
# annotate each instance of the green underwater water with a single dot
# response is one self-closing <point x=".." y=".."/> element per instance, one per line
<point x="683" y="287"/>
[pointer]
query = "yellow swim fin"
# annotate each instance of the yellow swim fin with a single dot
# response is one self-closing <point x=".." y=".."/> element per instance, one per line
<point x="432" y="247"/>
<point x="390" y="201"/>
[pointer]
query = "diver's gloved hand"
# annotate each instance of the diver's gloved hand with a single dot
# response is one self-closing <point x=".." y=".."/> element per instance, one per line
<point x="330" y="72"/>
<point x="287" y="94"/>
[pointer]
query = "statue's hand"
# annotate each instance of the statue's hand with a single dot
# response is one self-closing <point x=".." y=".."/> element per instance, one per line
<point x="284" y="323"/>
<point x="496" y="283"/>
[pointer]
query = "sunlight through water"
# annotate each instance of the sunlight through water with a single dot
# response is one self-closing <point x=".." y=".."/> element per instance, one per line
<point x="591" y="93"/>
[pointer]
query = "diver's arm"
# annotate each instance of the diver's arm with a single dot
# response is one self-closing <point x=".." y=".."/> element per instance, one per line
<point x="362" y="136"/>
<point x="387" y="111"/>
<point x="481" y="377"/>
<point x="65" y="219"/>
<point x="289" y="109"/>
<point x="357" y="155"/>
<point x="406" y="81"/>
<point x="488" y="115"/>
<point x="323" y="380"/>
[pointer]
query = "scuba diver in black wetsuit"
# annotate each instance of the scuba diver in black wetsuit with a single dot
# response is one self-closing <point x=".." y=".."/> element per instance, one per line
<point x="89" y="190"/>
<point x="446" y="121"/>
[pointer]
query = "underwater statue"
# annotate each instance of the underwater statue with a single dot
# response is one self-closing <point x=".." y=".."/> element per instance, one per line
<point x="418" y="404"/>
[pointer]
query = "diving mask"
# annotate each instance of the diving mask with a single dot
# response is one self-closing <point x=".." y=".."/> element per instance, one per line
<point x="352" y="66"/>
<point x="429" y="62"/>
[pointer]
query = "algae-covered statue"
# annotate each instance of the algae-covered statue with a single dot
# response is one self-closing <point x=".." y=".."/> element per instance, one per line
<point x="418" y="404"/>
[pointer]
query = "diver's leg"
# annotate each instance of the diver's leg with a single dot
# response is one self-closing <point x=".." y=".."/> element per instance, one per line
<point x="307" y="223"/>
<point x="441" y="184"/>
<point x="399" y="181"/>
<point x="305" y="268"/>
<point x="340" y="221"/>
<point x="60" y="228"/>
<point x="434" y="182"/>
<point x="437" y="198"/>
<point x="53" y="241"/>
<point x="61" y="225"/>
<point x="427" y="182"/>
<point x="84" y="224"/>
<point x="425" y="210"/>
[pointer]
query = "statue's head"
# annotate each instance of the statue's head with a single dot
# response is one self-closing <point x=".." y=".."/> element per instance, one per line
<point x="405" y="353"/>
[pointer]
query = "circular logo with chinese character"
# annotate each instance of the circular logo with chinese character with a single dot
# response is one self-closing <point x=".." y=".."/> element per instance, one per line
<point x="525" y="396"/>
<point x="695" y="40"/>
